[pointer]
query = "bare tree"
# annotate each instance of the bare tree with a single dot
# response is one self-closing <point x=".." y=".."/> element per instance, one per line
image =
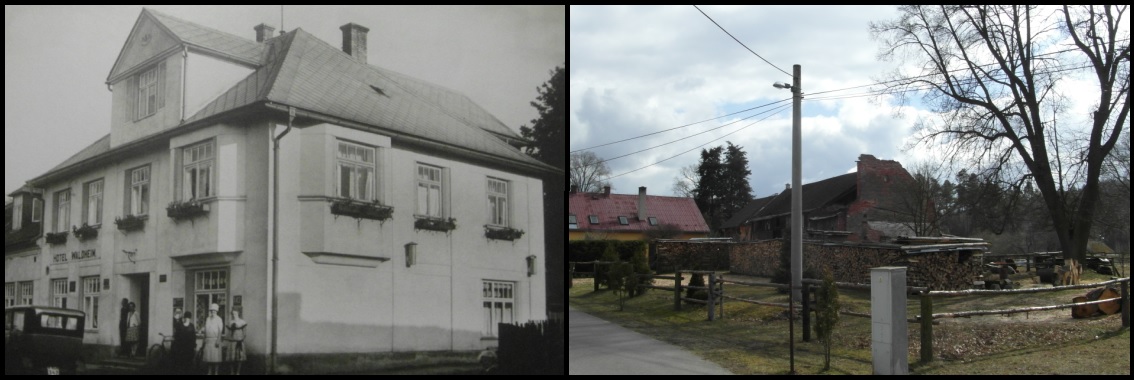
<point x="685" y="181"/>
<point x="992" y="74"/>
<point x="587" y="172"/>
<point x="921" y="204"/>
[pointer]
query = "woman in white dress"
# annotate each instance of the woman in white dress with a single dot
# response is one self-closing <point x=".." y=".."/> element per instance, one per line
<point x="214" y="329"/>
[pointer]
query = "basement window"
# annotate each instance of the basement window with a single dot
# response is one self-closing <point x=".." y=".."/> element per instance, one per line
<point x="653" y="221"/>
<point x="593" y="219"/>
<point x="571" y="223"/>
<point x="622" y="220"/>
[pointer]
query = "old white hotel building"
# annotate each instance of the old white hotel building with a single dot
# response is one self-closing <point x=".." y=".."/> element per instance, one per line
<point x="348" y="240"/>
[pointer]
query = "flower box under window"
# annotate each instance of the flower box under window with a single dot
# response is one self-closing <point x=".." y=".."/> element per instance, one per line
<point x="85" y="232"/>
<point x="56" y="237"/>
<point x="362" y="210"/>
<point x="502" y="233"/>
<point x="443" y="225"/>
<point x="186" y="210"/>
<point x="130" y="223"/>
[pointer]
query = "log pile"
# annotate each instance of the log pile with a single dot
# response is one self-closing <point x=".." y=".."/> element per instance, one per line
<point x="1107" y="308"/>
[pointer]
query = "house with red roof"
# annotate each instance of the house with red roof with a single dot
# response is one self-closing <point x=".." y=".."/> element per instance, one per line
<point x="606" y="216"/>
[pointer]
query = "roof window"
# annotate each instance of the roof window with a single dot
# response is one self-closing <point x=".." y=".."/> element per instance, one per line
<point x="622" y="220"/>
<point x="593" y="219"/>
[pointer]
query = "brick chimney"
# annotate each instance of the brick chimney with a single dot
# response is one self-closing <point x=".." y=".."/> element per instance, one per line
<point x="263" y="32"/>
<point x="574" y="188"/>
<point x="641" y="203"/>
<point x="606" y="191"/>
<point x="354" y="40"/>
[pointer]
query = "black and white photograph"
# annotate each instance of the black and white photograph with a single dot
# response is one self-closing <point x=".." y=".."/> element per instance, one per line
<point x="284" y="190"/>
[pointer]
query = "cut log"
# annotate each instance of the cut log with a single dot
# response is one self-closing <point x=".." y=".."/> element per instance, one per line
<point x="1083" y="311"/>
<point x="1111" y="307"/>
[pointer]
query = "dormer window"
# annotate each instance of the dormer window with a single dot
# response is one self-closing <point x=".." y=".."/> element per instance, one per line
<point x="623" y="221"/>
<point x="149" y="91"/>
<point x="653" y="221"/>
<point x="571" y="222"/>
<point x="593" y="219"/>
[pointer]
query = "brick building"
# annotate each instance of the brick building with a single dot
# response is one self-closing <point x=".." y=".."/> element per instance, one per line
<point x="867" y="205"/>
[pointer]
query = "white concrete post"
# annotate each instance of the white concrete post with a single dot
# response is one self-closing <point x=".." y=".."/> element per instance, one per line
<point x="889" y="342"/>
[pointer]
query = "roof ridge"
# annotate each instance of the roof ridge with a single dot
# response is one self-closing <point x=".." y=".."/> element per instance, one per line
<point x="162" y="14"/>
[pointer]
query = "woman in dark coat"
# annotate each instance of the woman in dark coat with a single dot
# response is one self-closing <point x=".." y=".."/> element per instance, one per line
<point x="125" y="312"/>
<point x="184" y="344"/>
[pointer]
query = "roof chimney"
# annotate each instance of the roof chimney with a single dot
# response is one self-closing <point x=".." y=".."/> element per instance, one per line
<point x="787" y="186"/>
<point x="263" y="32"/>
<point x="641" y="203"/>
<point x="606" y="191"/>
<point x="354" y="40"/>
<point x="574" y="188"/>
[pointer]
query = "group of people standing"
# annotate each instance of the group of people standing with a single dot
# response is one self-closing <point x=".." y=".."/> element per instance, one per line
<point x="221" y="342"/>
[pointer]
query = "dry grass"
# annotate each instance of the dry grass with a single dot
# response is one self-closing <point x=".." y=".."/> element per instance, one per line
<point x="753" y="339"/>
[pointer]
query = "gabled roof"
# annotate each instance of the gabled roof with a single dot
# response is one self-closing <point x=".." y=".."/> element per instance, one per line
<point x="815" y="195"/>
<point x="301" y="71"/>
<point x="682" y="212"/>
<point x="200" y="38"/>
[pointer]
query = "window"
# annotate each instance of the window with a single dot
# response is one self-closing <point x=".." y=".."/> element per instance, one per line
<point x="593" y="219"/>
<point x="571" y="222"/>
<point x="59" y="293"/>
<point x="138" y="198"/>
<point x="26" y="292"/>
<point x="62" y="210"/>
<point x="622" y="220"/>
<point x="37" y="210"/>
<point x="9" y="294"/>
<point x="498" y="305"/>
<point x="199" y="163"/>
<point x="355" y="171"/>
<point x="90" y="301"/>
<point x="92" y="209"/>
<point x="150" y="91"/>
<point x="653" y="221"/>
<point x="210" y="286"/>
<point x="17" y="212"/>
<point x="497" y="202"/>
<point x="429" y="197"/>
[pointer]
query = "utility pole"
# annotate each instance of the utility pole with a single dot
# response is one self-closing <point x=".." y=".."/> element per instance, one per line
<point x="795" y="286"/>
<point x="796" y="192"/>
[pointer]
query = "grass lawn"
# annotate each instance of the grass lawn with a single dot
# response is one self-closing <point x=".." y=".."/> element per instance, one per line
<point x="753" y="339"/>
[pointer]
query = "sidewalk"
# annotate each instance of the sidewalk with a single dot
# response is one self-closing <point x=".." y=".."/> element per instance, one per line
<point x="598" y="347"/>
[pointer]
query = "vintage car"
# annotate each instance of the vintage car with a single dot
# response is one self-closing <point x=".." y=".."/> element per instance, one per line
<point x="42" y="340"/>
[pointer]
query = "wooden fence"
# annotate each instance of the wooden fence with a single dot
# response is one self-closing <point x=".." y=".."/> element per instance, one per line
<point x="594" y="270"/>
<point x="715" y="289"/>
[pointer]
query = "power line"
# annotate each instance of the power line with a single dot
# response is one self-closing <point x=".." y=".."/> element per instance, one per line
<point x="683" y="138"/>
<point x="707" y="143"/>
<point x="683" y="126"/>
<point x="738" y="41"/>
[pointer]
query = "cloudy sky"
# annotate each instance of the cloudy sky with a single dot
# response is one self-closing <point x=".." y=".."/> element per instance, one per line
<point x="637" y="70"/>
<point x="57" y="58"/>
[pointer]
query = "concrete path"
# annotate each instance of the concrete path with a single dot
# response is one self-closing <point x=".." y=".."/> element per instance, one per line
<point x="599" y="347"/>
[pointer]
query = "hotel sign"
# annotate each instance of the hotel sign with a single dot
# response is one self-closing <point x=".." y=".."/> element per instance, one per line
<point x="75" y="256"/>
